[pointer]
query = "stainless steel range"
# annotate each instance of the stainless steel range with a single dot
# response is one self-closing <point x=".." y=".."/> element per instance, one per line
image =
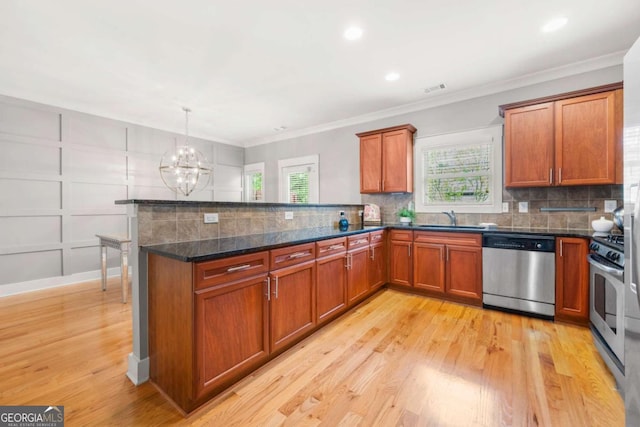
<point x="606" y="259"/>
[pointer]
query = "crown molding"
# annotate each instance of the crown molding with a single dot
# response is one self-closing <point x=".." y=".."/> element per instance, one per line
<point x="575" y="68"/>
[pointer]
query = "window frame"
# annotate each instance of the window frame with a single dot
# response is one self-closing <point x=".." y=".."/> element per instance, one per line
<point x="312" y="162"/>
<point x="492" y="135"/>
<point x="250" y="169"/>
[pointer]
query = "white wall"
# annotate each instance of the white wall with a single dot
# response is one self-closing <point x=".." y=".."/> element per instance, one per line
<point x="339" y="148"/>
<point x="60" y="173"/>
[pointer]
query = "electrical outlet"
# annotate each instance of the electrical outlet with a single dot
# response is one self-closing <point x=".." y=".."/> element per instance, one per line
<point x="505" y="207"/>
<point x="211" y="218"/>
<point x="609" y="205"/>
<point x="288" y="215"/>
<point x="523" y="207"/>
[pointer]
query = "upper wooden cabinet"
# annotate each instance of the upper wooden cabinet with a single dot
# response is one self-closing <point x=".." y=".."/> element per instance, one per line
<point x="572" y="139"/>
<point x="386" y="160"/>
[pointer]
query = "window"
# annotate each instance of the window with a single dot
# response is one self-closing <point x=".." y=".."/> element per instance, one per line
<point x="254" y="182"/>
<point x="460" y="171"/>
<point x="298" y="179"/>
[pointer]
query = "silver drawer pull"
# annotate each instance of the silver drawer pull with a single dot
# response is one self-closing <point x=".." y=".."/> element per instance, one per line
<point x="334" y="247"/>
<point x="238" y="268"/>
<point x="298" y="255"/>
<point x="357" y="242"/>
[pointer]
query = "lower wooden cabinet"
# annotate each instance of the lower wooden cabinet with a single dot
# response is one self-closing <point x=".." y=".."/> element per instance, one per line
<point x="377" y="265"/>
<point x="449" y="264"/>
<point x="400" y="257"/>
<point x="235" y="313"/>
<point x="293" y="303"/>
<point x="572" y="280"/>
<point x="357" y="268"/>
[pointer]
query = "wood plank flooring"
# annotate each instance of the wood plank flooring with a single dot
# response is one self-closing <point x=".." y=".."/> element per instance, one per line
<point x="397" y="359"/>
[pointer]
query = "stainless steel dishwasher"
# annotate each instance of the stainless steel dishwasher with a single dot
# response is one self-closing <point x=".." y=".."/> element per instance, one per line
<point x="519" y="273"/>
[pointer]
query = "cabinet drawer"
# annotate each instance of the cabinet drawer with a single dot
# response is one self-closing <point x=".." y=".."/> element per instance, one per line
<point x="357" y="241"/>
<point x="376" y="236"/>
<point x="331" y="246"/>
<point x="406" y="235"/>
<point x="292" y="255"/>
<point x="210" y="273"/>
<point x="466" y="239"/>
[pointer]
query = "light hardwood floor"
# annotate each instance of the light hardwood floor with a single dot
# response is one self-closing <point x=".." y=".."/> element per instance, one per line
<point x="398" y="359"/>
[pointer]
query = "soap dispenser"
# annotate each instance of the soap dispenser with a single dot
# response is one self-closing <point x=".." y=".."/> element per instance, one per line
<point x="343" y="224"/>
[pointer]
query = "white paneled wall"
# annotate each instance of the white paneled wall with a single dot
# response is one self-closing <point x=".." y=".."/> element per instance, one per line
<point x="60" y="173"/>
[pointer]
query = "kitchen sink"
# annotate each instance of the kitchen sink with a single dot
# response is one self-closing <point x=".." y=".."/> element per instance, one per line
<point x="452" y="227"/>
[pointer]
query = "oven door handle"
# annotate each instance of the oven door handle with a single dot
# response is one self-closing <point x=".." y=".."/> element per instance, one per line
<point x="615" y="271"/>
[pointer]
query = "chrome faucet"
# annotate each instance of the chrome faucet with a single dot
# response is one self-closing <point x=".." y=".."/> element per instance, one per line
<point x="452" y="217"/>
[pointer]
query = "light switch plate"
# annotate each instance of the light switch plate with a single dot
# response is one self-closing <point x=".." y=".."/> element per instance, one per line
<point x="610" y="205"/>
<point x="505" y="206"/>
<point x="211" y="218"/>
<point x="288" y="215"/>
<point x="523" y="207"/>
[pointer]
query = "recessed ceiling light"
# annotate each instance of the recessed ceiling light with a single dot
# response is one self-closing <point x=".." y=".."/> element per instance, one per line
<point x="353" y="33"/>
<point x="392" y="76"/>
<point x="554" y="24"/>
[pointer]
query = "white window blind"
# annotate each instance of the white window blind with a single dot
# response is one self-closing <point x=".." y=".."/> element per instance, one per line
<point x="460" y="171"/>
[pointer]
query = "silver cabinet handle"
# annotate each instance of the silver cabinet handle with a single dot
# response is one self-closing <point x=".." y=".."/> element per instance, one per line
<point x="334" y="247"/>
<point x="561" y="247"/>
<point x="550" y="175"/>
<point x="268" y="280"/>
<point x="559" y="175"/>
<point x="238" y="268"/>
<point x="298" y="255"/>
<point x="409" y="247"/>
<point x="373" y="254"/>
<point x="276" y="293"/>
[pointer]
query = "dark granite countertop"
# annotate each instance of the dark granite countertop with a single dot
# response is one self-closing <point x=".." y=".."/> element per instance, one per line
<point x="205" y="203"/>
<point x="204" y="250"/>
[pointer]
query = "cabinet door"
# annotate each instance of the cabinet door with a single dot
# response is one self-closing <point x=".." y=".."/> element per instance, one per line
<point x="464" y="272"/>
<point x="377" y="266"/>
<point x="586" y="140"/>
<point x="331" y="284"/>
<point x="400" y="263"/>
<point x="232" y="334"/>
<point x="293" y="303"/>
<point x="572" y="280"/>
<point x="371" y="163"/>
<point x="357" y="269"/>
<point x="429" y="266"/>
<point x="528" y="146"/>
<point x="397" y="161"/>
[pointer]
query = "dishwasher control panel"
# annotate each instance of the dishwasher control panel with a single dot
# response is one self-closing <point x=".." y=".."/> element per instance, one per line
<point x="522" y="242"/>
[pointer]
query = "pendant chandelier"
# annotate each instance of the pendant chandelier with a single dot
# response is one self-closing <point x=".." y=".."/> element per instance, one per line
<point x="186" y="169"/>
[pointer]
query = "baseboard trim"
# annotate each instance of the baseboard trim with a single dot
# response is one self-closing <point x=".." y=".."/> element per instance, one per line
<point x="54" y="282"/>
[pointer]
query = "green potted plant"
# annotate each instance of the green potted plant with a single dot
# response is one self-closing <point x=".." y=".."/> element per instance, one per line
<point x="406" y="215"/>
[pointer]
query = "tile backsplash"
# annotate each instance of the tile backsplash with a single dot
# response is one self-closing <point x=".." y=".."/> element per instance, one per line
<point x="181" y="223"/>
<point x="552" y="197"/>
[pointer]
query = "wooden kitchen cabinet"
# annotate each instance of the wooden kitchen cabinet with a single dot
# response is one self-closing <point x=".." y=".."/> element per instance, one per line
<point x="235" y="313"/>
<point x="208" y="324"/>
<point x="377" y="260"/>
<point x="386" y="160"/>
<point x="400" y="257"/>
<point x="575" y="139"/>
<point x="293" y="295"/>
<point x="357" y="267"/>
<point x="331" y="278"/>
<point x="572" y="280"/>
<point x="449" y="264"/>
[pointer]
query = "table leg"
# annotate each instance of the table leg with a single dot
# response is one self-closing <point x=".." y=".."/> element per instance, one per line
<point x="124" y="273"/>
<point x="103" y="262"/>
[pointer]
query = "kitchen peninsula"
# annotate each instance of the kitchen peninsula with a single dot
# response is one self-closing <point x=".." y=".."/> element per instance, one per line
<point x="252" y="274"/>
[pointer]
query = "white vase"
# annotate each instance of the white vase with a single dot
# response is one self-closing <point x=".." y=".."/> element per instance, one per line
<point x="405" y="220"/>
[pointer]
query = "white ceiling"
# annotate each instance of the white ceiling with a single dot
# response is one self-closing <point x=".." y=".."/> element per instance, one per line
<point x="247" y="66"/>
